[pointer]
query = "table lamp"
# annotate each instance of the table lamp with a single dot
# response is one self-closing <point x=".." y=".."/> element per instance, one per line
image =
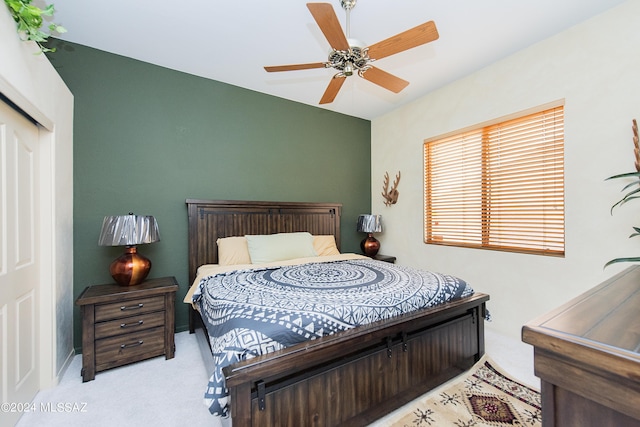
<point x="130" y="230"/>
<point x="370" y="224"/>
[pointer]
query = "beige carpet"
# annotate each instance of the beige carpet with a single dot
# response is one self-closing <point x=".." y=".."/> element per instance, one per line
<point x="483" y="396"/>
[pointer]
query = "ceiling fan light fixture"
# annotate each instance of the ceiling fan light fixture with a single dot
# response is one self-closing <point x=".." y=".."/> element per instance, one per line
<point x="349" y="61"/>
<point x="348" y="69"/>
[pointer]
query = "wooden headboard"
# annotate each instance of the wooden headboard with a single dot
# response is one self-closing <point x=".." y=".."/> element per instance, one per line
<point x="210" y="220"/>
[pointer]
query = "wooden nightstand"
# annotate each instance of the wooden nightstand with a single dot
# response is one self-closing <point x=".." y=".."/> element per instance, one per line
<point x="126" y="324"/>
<point x="385" y="258"/>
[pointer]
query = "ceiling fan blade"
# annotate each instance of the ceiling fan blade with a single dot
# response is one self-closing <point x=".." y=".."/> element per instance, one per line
<point x="295" y="67"/>
<point x="384" y="79"/>
<point x="416" y="36"/>
<point x="332" y="90"/>
<point x="328" y="22"/>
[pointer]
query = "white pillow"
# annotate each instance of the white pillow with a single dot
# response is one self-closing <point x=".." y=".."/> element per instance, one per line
<point x="279" y="247"/>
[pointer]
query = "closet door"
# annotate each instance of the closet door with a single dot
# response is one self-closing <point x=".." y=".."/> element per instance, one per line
<point x="19" y="262"/>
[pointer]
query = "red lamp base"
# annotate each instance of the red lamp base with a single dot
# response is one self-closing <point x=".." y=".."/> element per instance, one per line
<point x="130" y="268"/>
<point x="370" y="246"/>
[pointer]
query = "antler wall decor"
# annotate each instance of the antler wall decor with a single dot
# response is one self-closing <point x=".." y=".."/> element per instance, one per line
<point x="390" y="196"/>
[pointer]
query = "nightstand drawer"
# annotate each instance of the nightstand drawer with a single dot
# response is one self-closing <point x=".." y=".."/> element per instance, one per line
<point x="132" y="307"/>
<point x="119" y="350"/>
<point x="128" y="325"/>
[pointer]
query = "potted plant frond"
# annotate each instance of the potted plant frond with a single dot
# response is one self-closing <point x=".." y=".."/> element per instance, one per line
<point x="632" y="190"/>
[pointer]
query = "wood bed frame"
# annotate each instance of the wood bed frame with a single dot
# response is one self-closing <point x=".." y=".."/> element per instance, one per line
<point x="350" y="378"/>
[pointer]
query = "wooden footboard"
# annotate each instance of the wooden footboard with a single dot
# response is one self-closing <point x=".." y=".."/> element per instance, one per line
<point x="357" y="376"/>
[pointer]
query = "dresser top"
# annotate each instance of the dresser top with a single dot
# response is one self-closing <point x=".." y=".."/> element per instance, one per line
<point x="604" y="319"/>
<point x="112" y="292"/>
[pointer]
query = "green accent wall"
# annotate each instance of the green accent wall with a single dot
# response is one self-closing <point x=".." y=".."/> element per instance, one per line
<point x="146" y="138"/>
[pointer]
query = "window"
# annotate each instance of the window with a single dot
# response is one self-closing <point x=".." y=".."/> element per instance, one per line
<point x="499" y="185"/>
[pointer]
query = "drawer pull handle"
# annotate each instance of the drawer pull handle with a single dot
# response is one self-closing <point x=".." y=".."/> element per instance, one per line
<point x="128" y="325"/>
<point x="135" y="344"/>
<point x="133" y="307"/>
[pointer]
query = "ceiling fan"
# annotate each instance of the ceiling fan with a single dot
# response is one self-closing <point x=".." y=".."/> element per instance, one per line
<point x="349" y="55"/>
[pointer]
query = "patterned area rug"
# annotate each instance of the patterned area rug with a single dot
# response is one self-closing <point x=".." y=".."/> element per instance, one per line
<point x="483" y="396"/>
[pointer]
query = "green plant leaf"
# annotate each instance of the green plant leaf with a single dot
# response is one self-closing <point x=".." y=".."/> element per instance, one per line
<point x="49" y="10"/>
<point x="627" y="197"/>
<point x="57" y="28"/>
<point x="614" y="261"/>
<point x="631" y="184"/>
<point x="29" y="21"/>
<point x="624" y="175"/>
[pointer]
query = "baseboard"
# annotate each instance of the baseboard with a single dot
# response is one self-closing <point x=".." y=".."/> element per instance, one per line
<point x="64" y="367"/>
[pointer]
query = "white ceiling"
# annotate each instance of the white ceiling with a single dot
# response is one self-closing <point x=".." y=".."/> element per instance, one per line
<point x="230" y="41"/>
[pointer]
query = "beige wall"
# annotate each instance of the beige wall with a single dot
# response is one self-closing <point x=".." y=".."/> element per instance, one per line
<point x="595" y="68"/>
<point x="30" y="82"/>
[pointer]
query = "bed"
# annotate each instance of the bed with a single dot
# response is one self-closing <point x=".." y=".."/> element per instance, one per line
<point x="349" y="377"/>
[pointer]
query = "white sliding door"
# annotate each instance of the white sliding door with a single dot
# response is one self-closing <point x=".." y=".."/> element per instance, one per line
<point x="19" y="260"/>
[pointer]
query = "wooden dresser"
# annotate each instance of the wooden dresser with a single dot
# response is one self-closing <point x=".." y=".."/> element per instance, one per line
<point x="586" y="356"/>
<point x="125" y="324"/>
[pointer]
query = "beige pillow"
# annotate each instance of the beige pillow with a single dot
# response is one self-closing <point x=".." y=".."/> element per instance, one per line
<point x="233" y="250"/>
<point x="325" y="245"/>
<point x="279" y="247"/>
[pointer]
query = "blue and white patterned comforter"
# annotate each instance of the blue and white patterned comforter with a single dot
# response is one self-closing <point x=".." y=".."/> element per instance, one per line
<point x="256" y="311"/>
